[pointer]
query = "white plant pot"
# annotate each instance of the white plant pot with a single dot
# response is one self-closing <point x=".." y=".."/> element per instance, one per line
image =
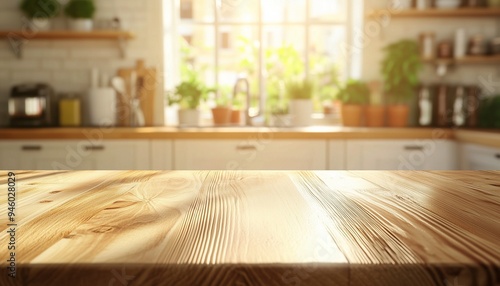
<point x="83" y="25"/>
<point x="40" y="24"/>
<point x="189" y="117"/>
<point x="301" y="111"/>
<point x="401" y="4"/>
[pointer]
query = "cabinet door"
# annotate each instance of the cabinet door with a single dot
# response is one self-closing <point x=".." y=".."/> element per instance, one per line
<point x="337" y="155"/>
<point x="477" y="157"/>
<point x="118" y="155"/>
<point x="162" y="155"/>
<point x="74" y="155"/>
<point x="243" y="155"/>
<point x="401" y="155"/>
<point x="41" y="155"/>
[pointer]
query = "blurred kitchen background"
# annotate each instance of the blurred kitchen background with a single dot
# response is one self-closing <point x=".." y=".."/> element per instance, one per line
<point x="268" y="42"/>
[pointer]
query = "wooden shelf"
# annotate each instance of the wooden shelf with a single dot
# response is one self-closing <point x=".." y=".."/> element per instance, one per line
<point x="469" y="60"/>
<point x="70" y="35"/>
<point x="434" y="12"/>
<point x="18" y="39"/>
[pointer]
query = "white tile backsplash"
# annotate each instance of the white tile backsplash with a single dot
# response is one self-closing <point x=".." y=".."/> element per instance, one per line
<point x="66" y="64"/>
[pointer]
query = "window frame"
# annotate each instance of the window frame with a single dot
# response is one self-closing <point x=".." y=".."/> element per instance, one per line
<point x="172" y="22"/>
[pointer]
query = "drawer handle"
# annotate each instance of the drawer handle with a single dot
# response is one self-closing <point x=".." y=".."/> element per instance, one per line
<point x="31" y="148"/>
<point x="94" y="148"/>
<point x="497" y="156"/>
<point x="246" y="148"/>
<point x="414" y="148"/>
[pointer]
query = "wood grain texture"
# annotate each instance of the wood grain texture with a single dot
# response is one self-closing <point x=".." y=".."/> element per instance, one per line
<point x="255" y="228"/>
<point x="66" y="35"/>
<point x="438" y="13"/>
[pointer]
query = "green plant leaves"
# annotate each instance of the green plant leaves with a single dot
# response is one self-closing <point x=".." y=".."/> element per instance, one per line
<point x="40" y="9"/>
<point x="400" y="68"/>
<point x="300" y="89"/>
<point x="355" y="92"/>
<point x="80" y="9"/>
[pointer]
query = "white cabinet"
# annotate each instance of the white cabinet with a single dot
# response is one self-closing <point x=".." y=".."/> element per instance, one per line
<point x="337" y="155"/>
<point x="118" y="155"/>
<point x="401" y="155"/>
<point x="75" y="155"/>
<point x="162" y="155"/>
<point x="250" y="154"/>
<point x="477" y="157"/>
<point x="36" y="155"/>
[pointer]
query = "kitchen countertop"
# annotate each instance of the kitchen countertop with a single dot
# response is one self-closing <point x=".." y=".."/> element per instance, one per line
<point x="319" y="132"/>
<point x="254" y="228"/>
<point x="489" y="138"/>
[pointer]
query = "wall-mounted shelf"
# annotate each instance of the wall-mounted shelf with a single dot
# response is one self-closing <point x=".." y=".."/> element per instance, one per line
<point x="17" y="39"/>
<point x="469" y="60"/>
<point x="433" y="12"/>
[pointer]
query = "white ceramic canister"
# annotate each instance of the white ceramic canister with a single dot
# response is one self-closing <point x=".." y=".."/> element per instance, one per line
<point x="460" y="49"/>
<point x="102" y="106"/>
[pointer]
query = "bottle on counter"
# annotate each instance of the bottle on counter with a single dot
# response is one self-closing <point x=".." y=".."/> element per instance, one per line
<point x="443" y="111"/>
<point x="459" y="111"/>
<point x="472" y="105"/>
<point x="70" y="111"/>
<point x="425" y="107"/>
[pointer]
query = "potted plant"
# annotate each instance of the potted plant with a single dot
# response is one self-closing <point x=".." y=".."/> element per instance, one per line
<point x="400" y="68"/>
<point x="375" y="111"/>
<point x="237" y="113"/>
<point x="40" y="13"/>
<point x="221" y="113"/>
<point x="328" y="87"/>
<point x="354" y="95"/>
<point x="80" y="13"/>
<point x="189" y="94"/>
<point x="300" y="94"/>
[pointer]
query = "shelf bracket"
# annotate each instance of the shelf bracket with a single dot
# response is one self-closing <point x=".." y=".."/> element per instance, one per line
<point x="16" y="44"/>
<point x="122" y="45"/>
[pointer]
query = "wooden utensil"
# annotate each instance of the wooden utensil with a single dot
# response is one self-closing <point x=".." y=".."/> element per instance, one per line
<point x="145" y="93"/>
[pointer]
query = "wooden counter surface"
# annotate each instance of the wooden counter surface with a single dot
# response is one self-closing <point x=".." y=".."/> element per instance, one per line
<point x="320" y="132"/>
<point x="254" y="228"/>
<point x="486" y="138"/>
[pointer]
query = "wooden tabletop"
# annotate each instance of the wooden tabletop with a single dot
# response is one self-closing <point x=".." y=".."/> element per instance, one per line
<point x="252" y="228"/>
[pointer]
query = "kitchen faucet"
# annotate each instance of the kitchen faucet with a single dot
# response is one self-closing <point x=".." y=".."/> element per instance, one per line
<point x="248" y="116"/>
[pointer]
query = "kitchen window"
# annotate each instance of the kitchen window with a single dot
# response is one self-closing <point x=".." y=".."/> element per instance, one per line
<point x="267" y="41"/>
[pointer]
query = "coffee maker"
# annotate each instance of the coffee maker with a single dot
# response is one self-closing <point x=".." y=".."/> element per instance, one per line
<point x="31" y="105"/>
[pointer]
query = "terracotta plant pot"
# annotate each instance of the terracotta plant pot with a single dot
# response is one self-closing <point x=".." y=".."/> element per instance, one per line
<point x="236" y="117"/>
<point x="375" y="116"/>
<point x="221" y="115"/>
<point x="397" y="115"/>
<point x="352" y="115"/>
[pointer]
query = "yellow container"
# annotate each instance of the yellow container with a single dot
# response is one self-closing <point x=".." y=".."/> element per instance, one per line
<point x="70" y="112"/>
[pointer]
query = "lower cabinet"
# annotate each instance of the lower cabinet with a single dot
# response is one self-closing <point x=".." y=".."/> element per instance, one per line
<point x="250" y="155"/>
<point x="75" y="155"/>
<point x="231" y="154"/>
<point x="162" y="157"/>
<point x="477" y="157"/>
<point x="401" y="155"/>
